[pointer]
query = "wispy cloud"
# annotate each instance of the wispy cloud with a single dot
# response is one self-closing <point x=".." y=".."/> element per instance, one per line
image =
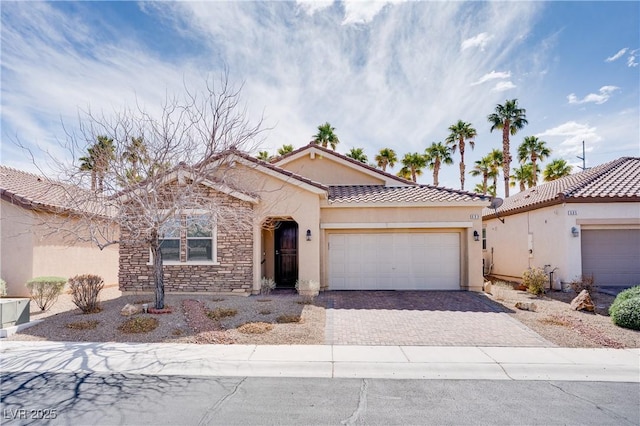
<point x="632" y="59"/>
<point x="601" y="97"/>
<point x="503" y="86"/>
<point x="569" y="136"/>
<point x="479" y="40"/>
<point x="493" y="75"/>
<point x="618" y="55"/>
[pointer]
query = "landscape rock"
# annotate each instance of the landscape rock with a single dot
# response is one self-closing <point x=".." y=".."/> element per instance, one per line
<point x="487" y="287"/>
<point x="130" y="309"/>
<point x="527" y="306"/>
<point x="583" y="302"/>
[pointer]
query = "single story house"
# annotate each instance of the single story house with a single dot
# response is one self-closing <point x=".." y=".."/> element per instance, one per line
<point x="587" y="223"/>
<point x="29" y="247"/>
<point x="317" y="215"/>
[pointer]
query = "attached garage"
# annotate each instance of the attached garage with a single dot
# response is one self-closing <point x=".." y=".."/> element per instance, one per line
<point x="612" y="256"/>
<point x="394" y="261"/>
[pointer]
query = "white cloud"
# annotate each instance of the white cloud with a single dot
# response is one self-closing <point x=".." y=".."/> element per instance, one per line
<point x="313" y="6"/>
<point x="632" y="59"/>
<point x="492" y="76"/>
<point x="480" y="41"/>
<point x="601" y="97"/>
<point x="503" y="86"/>
<point x="618" y="55"/>
<point x="360" y="12"/>
<point x="569" y="136"/>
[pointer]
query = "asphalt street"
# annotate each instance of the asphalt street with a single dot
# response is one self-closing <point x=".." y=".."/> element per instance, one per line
<point x="129" y="399"/>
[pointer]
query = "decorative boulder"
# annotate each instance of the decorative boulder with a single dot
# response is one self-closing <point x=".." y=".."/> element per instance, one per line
<point x="583" y="302"/>
<point x="130" y="309"/>
<point x="527" y="306"/>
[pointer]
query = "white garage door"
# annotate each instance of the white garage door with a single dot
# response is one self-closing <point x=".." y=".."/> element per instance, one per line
<point x="612" y="256"/>
<point x="398" y="261"/>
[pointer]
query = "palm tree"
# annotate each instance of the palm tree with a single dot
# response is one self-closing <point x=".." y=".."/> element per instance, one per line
<point x="414" y="162"/>
<point x="386" y="157"/>
<point x="510" y="119"/>
<point x="104" y="154"/>
<point x="326" y="136"/>
<point x="533" y="149"/>
<point x="265" y="156"/>
<point x="460" y="132"/>
<point x="285" y="149"/>
<point x="436" y="155"/>
<point x="556" y="169"/>
<point x="404" y="173"/>
<point x="494" y="159"/>
<point x="482" y="168"/>
<point x="135" y="153"/>
<point x="358" y="155"/>
<point x="523" y="175"/>
<point x="87" y="164"/>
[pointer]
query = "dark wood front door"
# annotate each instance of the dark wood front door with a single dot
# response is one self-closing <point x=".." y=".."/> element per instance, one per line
<point x="286" y="254"/>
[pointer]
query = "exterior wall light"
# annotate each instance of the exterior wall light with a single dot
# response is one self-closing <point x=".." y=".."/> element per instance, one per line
<point x="476" y="236"/>
<point x="574" y="231"/>
<point x="308" y="234"/>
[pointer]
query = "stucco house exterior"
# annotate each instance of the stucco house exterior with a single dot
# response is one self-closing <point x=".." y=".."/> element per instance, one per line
<point x="587" y="223"/>
<point x="319" y="215"/>
<point x="28" y="246"/>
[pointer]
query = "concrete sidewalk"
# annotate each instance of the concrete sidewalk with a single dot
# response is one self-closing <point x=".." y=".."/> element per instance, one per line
<point x="389" y="362"/>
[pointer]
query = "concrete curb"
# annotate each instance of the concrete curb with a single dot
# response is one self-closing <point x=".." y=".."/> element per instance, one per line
<point x="325" y="361"/>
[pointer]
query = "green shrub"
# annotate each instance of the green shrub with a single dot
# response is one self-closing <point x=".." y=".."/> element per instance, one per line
<point x="624" y="295"/>
<point x="535" y="280"/>
<point x="45" y="290"/>
<point x="3" y="288"/>
<point x="85" y="290"/>
<point x="627" y="314"/>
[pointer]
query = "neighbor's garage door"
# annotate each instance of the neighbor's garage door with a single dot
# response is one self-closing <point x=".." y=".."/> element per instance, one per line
<point x="394" y="261"/>
<point x="612" y="256"/>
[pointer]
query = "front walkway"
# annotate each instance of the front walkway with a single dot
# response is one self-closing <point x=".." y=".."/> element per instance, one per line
<point x="422" y="318"/>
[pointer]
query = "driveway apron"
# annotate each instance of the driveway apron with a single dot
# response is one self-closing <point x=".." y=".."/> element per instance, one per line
<point x="429" y="318"/>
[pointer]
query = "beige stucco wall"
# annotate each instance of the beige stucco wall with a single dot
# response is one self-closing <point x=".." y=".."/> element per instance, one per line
<point x="553" y="243"/>
<point x="330" y="172"/>
<point x="461" y="219"/>
<point x="27" y="251"/>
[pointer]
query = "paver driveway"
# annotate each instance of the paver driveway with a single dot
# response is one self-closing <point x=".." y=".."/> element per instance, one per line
<point x="433" y="318"/>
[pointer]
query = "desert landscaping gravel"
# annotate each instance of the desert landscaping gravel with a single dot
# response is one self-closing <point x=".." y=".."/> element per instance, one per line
<point x="553" y="320"/>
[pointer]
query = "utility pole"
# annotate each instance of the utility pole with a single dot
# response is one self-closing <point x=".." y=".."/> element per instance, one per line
<point x="583" y="158"/>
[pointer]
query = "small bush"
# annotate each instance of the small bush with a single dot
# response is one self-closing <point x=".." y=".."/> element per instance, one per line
<point x="219" y="313"/>
<point x="45" y="290"/>
<point x="266" y="285"/>
<point x="535" y="280"/>
<point x="217" y="299"/>
<point x="255" y="328"/>
<point x="308" y="289"/>
<point x="287" y="319"/>
<point x="265" y="312"/>
<point x="584" y="282"/>
<point x="83" y="325"/>
<point x="137" y="325"/>
<point x="627" y="294"/>
<point x="3" y="288"/>
<point x="85" y="290"/>
<point x="627" y="314"/>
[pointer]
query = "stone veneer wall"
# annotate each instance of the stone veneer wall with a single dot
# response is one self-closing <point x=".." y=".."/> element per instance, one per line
<point x="234" y="273"/>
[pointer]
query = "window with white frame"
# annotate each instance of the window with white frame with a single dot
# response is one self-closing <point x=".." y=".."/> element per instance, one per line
<point x="484" y="238"/>
<point x="188" y="238"/>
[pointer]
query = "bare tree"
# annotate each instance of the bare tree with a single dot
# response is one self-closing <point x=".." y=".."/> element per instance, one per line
<point x="183" y="146"/>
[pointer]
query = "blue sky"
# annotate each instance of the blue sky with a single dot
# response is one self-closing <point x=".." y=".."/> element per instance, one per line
<point x="384" y="74"/>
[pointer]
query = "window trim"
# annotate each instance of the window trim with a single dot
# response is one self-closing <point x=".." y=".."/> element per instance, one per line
<point x="183" y="215"/>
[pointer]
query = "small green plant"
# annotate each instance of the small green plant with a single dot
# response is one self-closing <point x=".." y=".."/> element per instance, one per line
<point x="83" y="325"/>
<point x="266" y="285"/>
<point x="219" y="313"/>
<point x="287" y="319"/>
<point x="535" y="280"/>
<point x="85" y="290"/>
<point x="584" y="282"/>
<point x="45" y="290"/>
<point x="627" y="294"/>
<point x="3" y="288"/>
<point x="138" y="325"/>
<point x="627" y="313"/>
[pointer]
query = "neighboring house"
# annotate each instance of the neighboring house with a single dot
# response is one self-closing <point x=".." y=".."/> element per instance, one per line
<point x="318" y="215"/>
<point x="29" y="248"/>
<point x="587" y="223"/>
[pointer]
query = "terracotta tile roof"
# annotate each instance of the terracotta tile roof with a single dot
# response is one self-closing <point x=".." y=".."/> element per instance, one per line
<point x="398" y="194"/>
<point x="32" y="191"/>
<point x="617" y="180"/>
<point x="343" y="157"/>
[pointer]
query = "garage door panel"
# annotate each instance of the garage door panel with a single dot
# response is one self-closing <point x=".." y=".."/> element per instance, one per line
<point x="612" y="256"/>
<point x="394" y="261"/>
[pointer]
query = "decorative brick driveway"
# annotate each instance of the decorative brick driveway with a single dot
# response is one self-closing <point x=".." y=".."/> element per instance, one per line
<point x="430" y="318"/>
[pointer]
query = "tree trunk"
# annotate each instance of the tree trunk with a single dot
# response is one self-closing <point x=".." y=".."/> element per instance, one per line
<point x="485" y="181"/>
<point x="436" y="171"/>
<point x="506" y="157"/>
<point x="158" y="278"/>
<point x="461" y="145"/>
<point x="534" y="178"/>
